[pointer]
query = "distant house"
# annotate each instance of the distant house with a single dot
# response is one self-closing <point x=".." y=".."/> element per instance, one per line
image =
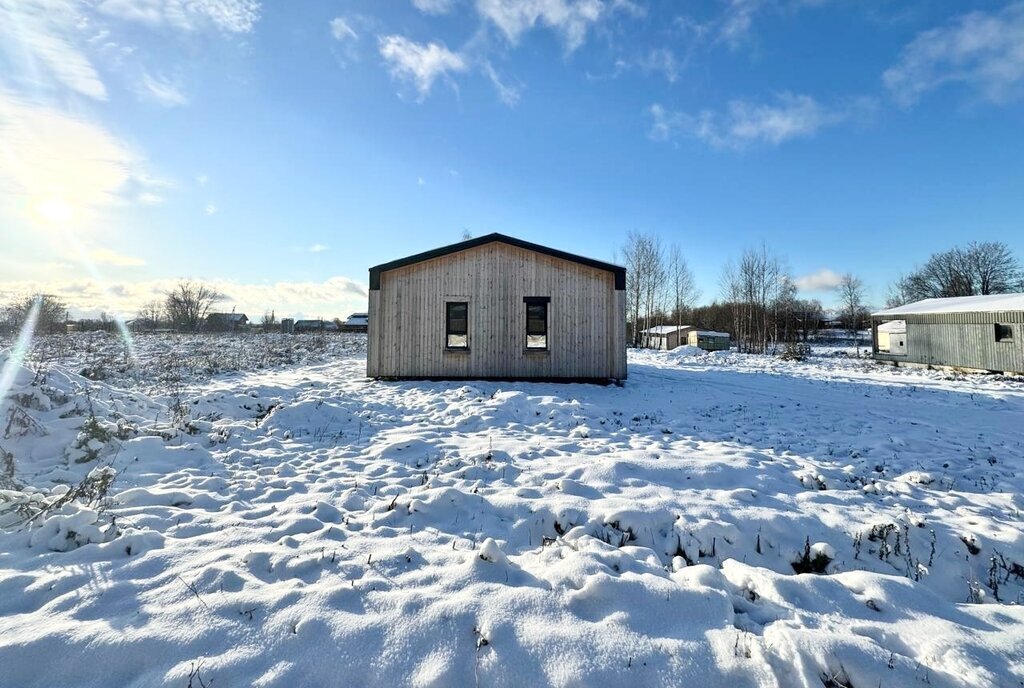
<point x="496" y="307"/>
<point x="226" y="322"/>
<point x="983" y="333"/>
<point x="287" y="325"/>
<point x="357" y="322"/>
<point x="666" y="337"/>
<point x="320" y="325"/>
<point x="709" y="340"/>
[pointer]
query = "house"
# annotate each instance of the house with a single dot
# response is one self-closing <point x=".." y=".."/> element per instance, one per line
<point x="226" y="322"/>
<point x="497" y="308"/>
<point x="666" y="337"/>
<point x="984" y="333"/>
<point x="357" y="322"/>
<point x="287" y="325"/>
<point x="709" y="340"/>
<point x="319" y="325"/>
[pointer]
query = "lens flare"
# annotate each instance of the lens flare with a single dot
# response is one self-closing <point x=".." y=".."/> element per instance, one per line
<point x="18" y="352"/>
<point x="52" y="211"/>
<point x="90" y="266"/>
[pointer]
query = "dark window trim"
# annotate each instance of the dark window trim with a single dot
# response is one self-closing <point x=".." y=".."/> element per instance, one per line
<point x="1001" y="338"/>
<point x="538" y="301"/>
<point x="448" y="332"/>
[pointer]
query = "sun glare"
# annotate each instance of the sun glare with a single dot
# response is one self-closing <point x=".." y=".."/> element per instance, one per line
<point x="52" y="211"/>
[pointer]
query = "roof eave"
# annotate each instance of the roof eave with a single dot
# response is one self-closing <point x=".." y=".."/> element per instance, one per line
<point x="617" y="270"/>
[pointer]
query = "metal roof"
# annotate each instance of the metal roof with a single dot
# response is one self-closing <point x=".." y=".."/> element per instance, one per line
<point x="617" y="270"/>
<point x="665" y="329"/>
<point x="991" y="303"/>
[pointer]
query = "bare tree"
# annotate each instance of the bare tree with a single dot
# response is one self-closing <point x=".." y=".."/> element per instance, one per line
<point x="188" y="304"/>
<point x="683" y="290"/>
<point x="851" y="299"/>
<point x="633" y="258"/>
<point x="807" y="314"/>
<point x="901" y="292"/>
<point x="752" y="287"/>
<point x="150" y="315"/>
<point x="52" y="316"/>
<point x="269" y="321"/>
<point x="654" y="277"/>
<point x="987" y="267"/>
<point x="993" y="269"/>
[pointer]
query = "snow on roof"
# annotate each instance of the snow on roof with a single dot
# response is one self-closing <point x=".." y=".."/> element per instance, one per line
<point x="893" y="326"/>
<point x="960" y="304"/>
<point x="665" y="329"/>
<point x="711" y="333"/>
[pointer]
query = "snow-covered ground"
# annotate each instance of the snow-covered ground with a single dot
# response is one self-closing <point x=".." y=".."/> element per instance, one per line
<point x="301" y="525"/>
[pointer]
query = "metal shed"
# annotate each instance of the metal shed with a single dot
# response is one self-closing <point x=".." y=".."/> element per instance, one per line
<point x="983" y="333"/>
<point x="709" y="340"/>
<point x="496" y="307"/>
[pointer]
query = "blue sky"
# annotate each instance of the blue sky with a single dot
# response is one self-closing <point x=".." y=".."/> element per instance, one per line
<point x="279" y="149"/>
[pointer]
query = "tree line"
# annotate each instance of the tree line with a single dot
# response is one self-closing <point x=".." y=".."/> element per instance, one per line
<point x="759" y="303"/>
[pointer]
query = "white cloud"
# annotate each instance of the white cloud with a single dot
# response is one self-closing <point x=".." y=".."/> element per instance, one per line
<point x="161" y="91"/>
<point x="318" y="248"/>
<point x="210" y="209"/>
<point x="661" y="60"/>
<point x="234" y="16"/>
<point x="342" y="30"/>
<point x="38" y="37"/>
<point x="50" y="157"/>
<point x="983" y="50"/>
<point x="737" y="20"/>
<point x="106" y="256"/>
<point x="821" y="280"/>
<point x="507" y="93"/>
<point x="333" y="297"/>
<point x="790" y="116"/>
<point x="418" y="64"/>
<point x="434" y="6"/>
<point x="571" y="18"/>
<point x="150" y="198"/>
<point x="48" y="41"/>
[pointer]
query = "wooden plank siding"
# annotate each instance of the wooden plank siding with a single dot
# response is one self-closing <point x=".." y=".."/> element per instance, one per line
<point x="586" y="318"/>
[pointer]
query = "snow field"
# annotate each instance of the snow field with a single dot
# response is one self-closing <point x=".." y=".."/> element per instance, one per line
<point x="305" y="526"/>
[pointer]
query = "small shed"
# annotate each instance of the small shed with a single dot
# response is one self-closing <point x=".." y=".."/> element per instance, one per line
<point x="357" y="322"/>
<point x="709" y="340"/>
<point x="500" y="308"/>
<point x="666" y="337"/>
<point x="982" y="333"/>
<point x="892" y="337"/>
<point x="226" y="322"/>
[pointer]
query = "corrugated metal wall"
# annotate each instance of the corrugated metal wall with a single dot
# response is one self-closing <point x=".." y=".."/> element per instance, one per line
<point x="962" y="340"/>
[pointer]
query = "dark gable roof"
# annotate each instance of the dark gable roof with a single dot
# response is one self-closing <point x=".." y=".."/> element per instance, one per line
<point x="617" y="270"/>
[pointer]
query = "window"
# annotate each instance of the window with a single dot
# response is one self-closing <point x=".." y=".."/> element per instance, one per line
<point x="1004" y="333"/>
<point x="536" y="322"/>
<point x="456" y="325"/>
